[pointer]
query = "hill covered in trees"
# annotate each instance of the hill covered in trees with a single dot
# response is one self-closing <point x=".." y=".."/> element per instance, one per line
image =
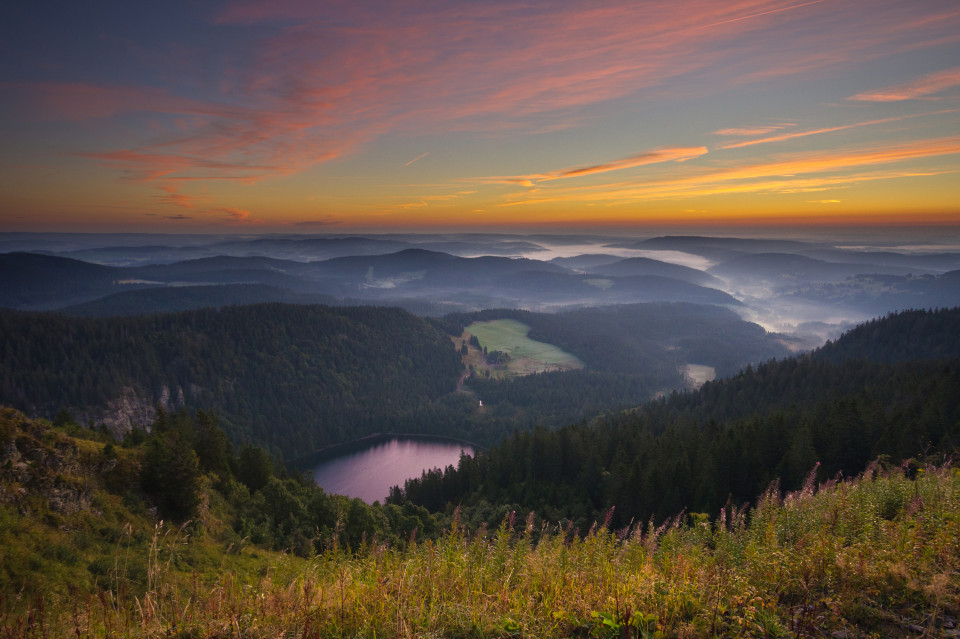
<point x="297" y="378"/>
<point x="652" y="340"/>
<point x="290" y="378"/>
<point x="727" y="441"/>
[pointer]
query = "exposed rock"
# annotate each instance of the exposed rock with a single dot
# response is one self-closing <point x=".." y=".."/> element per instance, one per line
<point x="131" y="409"/>
<point x="43" y="463"/>
<point x="125" y="412"/>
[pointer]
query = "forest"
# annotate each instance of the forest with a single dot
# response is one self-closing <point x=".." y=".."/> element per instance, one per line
<point x="294" y="379"/>
<point x="289" y="378"/>
<point x="725" y="443"/>
<point x="806" y="493"/>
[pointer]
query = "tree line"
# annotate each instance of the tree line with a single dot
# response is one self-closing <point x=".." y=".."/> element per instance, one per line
<point x="726" y="442"/>
<point x="290" y="378"/>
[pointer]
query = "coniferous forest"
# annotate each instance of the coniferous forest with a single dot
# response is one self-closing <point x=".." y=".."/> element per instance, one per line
<point x="294" y="379"/>
<point x="800" y="495"/>
<point x="288" y="378"/>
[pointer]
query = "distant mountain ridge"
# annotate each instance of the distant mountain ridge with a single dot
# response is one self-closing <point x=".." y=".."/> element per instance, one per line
<point x="635" y="266"/>
<point x="153" y="300"/>
<point x="31" y="281"/>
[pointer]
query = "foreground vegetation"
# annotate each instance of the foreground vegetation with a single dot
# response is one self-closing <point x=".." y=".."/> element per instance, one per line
<point x="874" y="556"/>
<point x="170" y="533"/>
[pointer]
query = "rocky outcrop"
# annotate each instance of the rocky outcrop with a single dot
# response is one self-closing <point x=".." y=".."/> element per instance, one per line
<point x="132" y="409"/>
<point x="37" y="461"/>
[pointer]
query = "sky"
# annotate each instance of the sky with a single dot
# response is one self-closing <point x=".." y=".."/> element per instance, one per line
<point x="327" y="116"/>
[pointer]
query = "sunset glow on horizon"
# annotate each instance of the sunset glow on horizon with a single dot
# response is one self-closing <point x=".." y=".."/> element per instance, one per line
<point x="297" y="116"/>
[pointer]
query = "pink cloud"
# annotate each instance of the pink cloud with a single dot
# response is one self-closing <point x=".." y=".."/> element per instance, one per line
<point x="172" y="195"/>
<point x="238" y="215"/>
<point x="752" y="130"/>
<point x="923" y="87"/>
<point x="147" y="166"/>
<point x="333" y="76"/>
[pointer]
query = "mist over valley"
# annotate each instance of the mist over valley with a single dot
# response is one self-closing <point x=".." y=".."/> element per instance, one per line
<point x="808" y="289"/>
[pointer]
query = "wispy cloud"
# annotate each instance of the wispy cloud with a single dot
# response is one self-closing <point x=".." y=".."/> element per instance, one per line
<point x="336" y="75"/>
<point x="792" y="174"/>
<point x="417" y="159"/>
<point x="318" y="81"/>
<point x="172" y="195"/>
<point x="427" y="200"/>
<point x="921" y="88"/>
<point x="752" y="130"/>
<point x="655" y="156"/>
<point x="236" y="216"/>
<point x="146" y="165"/>
<point x="843" y="127"/>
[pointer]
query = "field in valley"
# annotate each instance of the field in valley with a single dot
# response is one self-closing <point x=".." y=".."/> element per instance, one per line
<point x="527" y="356"/>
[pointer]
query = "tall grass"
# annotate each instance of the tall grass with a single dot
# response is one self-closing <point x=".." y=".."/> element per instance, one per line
<point x="877" y="555"/>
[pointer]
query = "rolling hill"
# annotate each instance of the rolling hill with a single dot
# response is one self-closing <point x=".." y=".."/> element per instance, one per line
<point x="290" y="378"/>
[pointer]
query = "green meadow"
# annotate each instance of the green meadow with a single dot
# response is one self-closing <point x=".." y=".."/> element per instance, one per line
<point x="527" y="355"/>
<point x="872" y="556"/>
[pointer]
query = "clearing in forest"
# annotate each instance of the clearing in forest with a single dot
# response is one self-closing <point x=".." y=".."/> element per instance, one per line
<point x="526" y="356"/>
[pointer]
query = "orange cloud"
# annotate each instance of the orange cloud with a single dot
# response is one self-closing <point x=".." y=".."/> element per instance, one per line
<point x="782" y="176"/>
<point x="330" y="77"/>
<point x="676" y="154"/>
<point x="238" y="215"/>
<point x="920" y="88"/>
<point x="427" y="200"/>
<point x="173" y="196"/>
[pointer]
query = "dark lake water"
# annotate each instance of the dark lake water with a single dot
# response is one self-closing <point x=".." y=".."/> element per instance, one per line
<point x="370" y="472"/>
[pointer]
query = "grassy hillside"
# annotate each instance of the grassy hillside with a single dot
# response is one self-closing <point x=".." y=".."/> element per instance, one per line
<point x="525" y="355"/>
<point x="877" y="555"/>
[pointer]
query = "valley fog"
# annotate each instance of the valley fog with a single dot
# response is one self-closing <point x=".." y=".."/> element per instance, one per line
<point x="808" y="284"/>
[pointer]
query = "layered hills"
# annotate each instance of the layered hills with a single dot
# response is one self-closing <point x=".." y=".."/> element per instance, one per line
<point x="31" y="282"/>
<point x="296" y="378"/>
<point x="887" y="389"/>
<point x="539" y="535"/>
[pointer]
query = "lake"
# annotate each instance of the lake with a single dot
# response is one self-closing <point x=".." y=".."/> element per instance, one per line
<point x="370" y="472"/>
